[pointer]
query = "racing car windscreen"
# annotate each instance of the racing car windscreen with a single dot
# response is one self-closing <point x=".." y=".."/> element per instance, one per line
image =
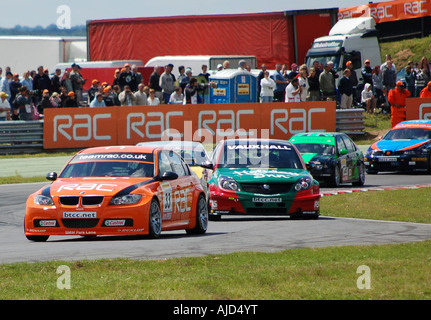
<point x="260" y="156"/>
<point x="408" y="133"/>
<point x="318" y="148"/>
<point x="110" y="165"/>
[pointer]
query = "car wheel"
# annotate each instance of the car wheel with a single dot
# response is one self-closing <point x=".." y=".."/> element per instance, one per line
<point x="336" y="178"/>
<point x="155" y="220"/>
<point x="37" y="238"/>
<point x="201" y="217"/>
<point x="361" y="180"/>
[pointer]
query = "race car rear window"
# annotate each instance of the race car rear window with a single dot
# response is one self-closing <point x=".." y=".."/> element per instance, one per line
<point x="408" y="133"/>
<point x="108" y="169"/>
<point x="260" y="156"/>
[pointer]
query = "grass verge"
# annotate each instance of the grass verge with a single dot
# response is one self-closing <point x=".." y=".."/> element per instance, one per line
<point x="397" y="271"/>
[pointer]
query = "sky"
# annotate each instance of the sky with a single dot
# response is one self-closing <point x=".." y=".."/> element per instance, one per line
<point x="66" y="13"/>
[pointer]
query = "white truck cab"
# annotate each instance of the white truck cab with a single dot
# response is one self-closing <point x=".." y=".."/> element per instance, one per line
<point x="353" y="39"/>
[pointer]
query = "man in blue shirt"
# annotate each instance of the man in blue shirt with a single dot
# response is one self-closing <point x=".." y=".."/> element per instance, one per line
<point x="280" y="84"/>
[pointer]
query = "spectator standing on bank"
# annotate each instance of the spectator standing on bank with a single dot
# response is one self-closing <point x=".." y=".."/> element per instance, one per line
<point x="154" y="82"/>
<point x="4" y="107"/>
<point x="181" y="71"/>
<point x="55" y="81"/>
<point x="280" y="84"/>
<point x="303" y="81"/>
<point x="186" y="80"/>
<point x="367" y="73"/>
<point x="167" y="80"/>
<point x="141" y="96"/>
<point x="138" y="76"/>
<point x="411" y="80"/>
<point x="128" y="78"/>
<point x="422" y="79"/>
<point x="204" y="72"/>
<point x="77" y="82"/>
<point x="377" y="82"/>
<point x="327" y="84"/>
<point x="5" y="85"/>
<point x="67" y="82"/>
<point x="41" y="82"/>
<point x="260" y="76"/>
<point x="267" y="85"/>
<point x="345" y="87"/>
<point x="389" y="75"/>
<point x="14" y="86"/>
<point x="293" y="71"/>
<point x="314" y="89"/>
<point x="27" y="81"/>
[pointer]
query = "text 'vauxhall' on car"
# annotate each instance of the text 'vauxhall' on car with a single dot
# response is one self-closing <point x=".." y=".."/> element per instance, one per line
<point x="121" y="190"/>
<point x="261" y="177"/>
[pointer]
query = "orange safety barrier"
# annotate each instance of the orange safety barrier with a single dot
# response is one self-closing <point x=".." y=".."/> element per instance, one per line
<point x="88" y="127"/>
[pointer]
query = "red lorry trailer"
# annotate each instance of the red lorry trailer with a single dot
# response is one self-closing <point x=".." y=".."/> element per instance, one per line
<point x="277" y="37"/>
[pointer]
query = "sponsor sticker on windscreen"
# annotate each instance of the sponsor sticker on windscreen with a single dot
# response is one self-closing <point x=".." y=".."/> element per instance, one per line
<point x="147" y="157"/>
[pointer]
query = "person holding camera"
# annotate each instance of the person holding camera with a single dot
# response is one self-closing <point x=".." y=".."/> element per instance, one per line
<point x="397" y="99"/>
<point x="126" y="97"/>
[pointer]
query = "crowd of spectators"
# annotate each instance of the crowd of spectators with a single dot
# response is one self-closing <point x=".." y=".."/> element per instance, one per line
<point x="26" y="98"/>
<point x="323" y="83"/>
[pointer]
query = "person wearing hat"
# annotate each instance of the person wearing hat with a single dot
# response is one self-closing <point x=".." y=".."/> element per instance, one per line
<point x="426" y="92"/>
<point x="93" y="90"/>
<point x="219" y="67"/>
<point x="71" y="101"/>
<point x="397" y="99"/>
<point x="186" y="80"/>
<point x="293" y="71"/>
<point x="4" y="107"/>
<point x="167" y="80"/>
<point x="128" y="78"/>
<point x="367" y="72"/>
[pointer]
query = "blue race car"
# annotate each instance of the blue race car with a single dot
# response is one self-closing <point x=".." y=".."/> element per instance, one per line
<point x="406" y="147"/>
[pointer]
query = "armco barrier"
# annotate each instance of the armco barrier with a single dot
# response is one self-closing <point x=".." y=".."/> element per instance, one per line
<point x="350" y="121"/>
<point x="21" y="137"/>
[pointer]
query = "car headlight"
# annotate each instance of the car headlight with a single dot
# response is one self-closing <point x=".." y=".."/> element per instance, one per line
<point x="126" y="199"/>
<point x="228" y="183"/>
<point x="43" y="200"/>
<point x="303" y="184"/>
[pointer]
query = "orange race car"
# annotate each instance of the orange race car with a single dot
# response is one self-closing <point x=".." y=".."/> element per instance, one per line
<point x="120" y="190"/>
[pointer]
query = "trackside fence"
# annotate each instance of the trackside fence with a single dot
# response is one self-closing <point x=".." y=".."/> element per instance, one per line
<point x="350" y="121"/>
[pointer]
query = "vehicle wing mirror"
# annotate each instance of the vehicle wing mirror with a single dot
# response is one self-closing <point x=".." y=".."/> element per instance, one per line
<point x="169" y="175"/>
<point x="52" y="176"/>
<point x="343" y="152"/>
<point x="207" y="165"/>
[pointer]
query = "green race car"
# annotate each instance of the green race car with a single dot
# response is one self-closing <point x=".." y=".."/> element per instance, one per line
<point x="261" y="177"/>
<point x="332" y="158"/>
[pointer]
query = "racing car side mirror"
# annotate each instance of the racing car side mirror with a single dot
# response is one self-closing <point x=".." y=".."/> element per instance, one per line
<point x="52" y="176"/>
<point x="169" y="175"/>
<point x="343" y="152"/>
<point x="207" y="165"/>
<point x="308" y="166"/>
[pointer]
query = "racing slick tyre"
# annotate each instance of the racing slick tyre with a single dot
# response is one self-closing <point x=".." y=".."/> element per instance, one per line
<point x="155" y="220"/>
<point x="335" y="179"/>
<point x="361" y="180"/>
<point x="201" y="217"/>
<point x="37" y="238"/>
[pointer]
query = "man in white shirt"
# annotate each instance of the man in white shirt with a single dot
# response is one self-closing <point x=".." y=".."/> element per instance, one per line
<point x="4" y="107"/>
<point x="293" y="91"/>
<point x="141" y="96"/>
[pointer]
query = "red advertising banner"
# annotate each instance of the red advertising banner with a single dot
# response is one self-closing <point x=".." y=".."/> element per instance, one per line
<point x="88" y="127"/>
<point x="389" y="10"/>
<point x="418" y="109"/>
